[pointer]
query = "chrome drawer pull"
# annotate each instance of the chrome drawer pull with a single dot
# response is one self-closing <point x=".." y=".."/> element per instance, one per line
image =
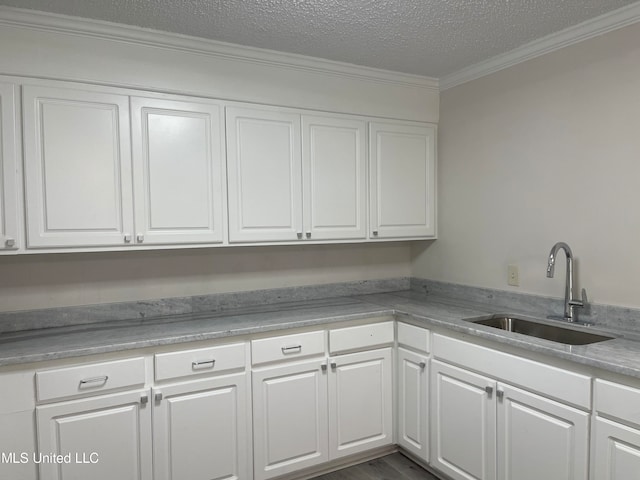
<point x="489" y="390"/>
<point x="422" y="365"/>
<point x="103" y="379"/>
<point x="205" y="364"/>
<point x="292" y="349"/>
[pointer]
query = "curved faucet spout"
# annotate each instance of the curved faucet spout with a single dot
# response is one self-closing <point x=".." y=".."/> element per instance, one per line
<point x="569" y="303"/>
<point x="554" y="254"/>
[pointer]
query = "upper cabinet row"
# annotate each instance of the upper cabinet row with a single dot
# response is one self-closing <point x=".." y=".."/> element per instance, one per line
<point x="103" y="168"/>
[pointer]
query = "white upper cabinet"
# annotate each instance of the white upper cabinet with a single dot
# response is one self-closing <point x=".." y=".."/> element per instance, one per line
<point x="77" y="167"/>
<point x="334" y="178"/>
<point x="402" y="180"/>
<point x="264" y="175"/>
<point x="178" y="171"/>
<point x="9" y="236"/>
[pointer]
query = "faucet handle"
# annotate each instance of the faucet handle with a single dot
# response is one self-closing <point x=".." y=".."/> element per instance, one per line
<point x="579" y="303"/>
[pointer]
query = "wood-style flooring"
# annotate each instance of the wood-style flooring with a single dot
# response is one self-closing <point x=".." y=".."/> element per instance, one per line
<point x="391" y="467"/>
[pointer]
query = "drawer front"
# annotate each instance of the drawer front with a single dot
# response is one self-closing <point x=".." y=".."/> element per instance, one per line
<point x="287" y="347"/>
<point x="363" y="336"/>
<point x="211" y="360"/>
<point x="619" y="401"/>
<point x="554" y="382"/>
<point x="414" y="337"/>
<point x="89" y="379"/>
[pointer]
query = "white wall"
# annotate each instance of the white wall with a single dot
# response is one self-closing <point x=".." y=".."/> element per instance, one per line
<point x="544" y="151"/>
<point x="42" y="281"/>
<point x="67" y="48"/>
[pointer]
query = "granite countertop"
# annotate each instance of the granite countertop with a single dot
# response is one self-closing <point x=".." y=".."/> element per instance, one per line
<point x="619" y="355"/>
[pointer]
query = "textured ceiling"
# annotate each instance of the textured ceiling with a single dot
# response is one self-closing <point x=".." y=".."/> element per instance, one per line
<point x="426" y="37"/>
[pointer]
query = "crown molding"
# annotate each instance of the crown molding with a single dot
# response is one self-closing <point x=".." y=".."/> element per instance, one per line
<point x="63" y="24"/>
<point x="583" y="31"/>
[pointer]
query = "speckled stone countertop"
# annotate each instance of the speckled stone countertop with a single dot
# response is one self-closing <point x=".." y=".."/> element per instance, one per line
<point x="620" y="355"/>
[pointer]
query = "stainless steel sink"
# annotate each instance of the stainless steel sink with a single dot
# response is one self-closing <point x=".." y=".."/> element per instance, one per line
<point x="555" y="333"/>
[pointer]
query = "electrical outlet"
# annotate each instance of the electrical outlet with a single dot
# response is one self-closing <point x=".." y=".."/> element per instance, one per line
<point x="513" y="277"/>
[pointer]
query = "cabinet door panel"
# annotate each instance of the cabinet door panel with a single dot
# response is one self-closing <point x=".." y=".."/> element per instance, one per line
<point x="402" y="180"/>
<point x="413" y="403"/>
<point x="616" y="453"/>
<point x="360" y="402"/>
<point x="289" y="418"/>
<point x="557" y="433"/>
<point x="334" y="173"/>
<point x="9" y="231"/>
<point x="178" y="171"/>
<point x="264" y="172"/>
<point x="463" y="427"/>
<point x="200" y="430"/>
<point x="115" y="428"/>
<point x="77" y="166"/>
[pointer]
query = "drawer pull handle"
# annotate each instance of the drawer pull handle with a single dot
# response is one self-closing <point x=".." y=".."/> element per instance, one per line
<point x="333" y="365"/>
<point x="422" y="365"/>
<point x="499" y="394"/>
<point x="291" y="349"/>
<point x="204" y="364"/>
<point x="103" y="380"/>
<point x="489" y="390"/>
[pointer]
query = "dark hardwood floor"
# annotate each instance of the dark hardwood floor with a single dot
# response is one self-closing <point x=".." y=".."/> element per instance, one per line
<point x="391" y="467"/>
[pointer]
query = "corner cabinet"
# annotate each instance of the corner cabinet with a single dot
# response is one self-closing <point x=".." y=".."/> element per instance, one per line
<point x="9" y="148"/>
<point x="402" y="180"/>
<point x="412" y="370"/>
<point x="77" y="167"/>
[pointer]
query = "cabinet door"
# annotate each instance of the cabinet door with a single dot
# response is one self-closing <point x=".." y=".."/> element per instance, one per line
<point x="289" y="418"/>
<point x="557" y="433"/>
<point x="77" y="168"/>
<point x="413" y="403"/>
<point x="178" y="171"/>
<point x="463" y="424"/>
<point x="105" y="437"/>
<point x="201" y="431"/>
<point x="402" y="180"/>
<point x="264" y="171"/>
<point x="360" y="402"/>
<point x="616" y="452"/>
<point x="334" y="178"/>
<point x="9" y="239"/>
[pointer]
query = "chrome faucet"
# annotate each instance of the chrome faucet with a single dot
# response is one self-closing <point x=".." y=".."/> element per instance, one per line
<point x="569" y="302"/>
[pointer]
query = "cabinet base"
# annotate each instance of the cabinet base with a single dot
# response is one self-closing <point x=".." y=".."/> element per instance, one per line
<point x="339" y="464"/>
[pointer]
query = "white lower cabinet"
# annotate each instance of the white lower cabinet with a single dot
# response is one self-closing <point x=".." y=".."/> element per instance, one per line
<point x="201" y="430"/>
<point x="557" y="433"/>
<point x="616" y="432"/>
<point x="289" y="418"/>
<point x="312" y="411"/>
<point x="104" y="437"/>
<point x="360" y="402"/>
<point x="413" y="403"/>
<point x="616" y="453"/>
<point x="463" y="426"/>
<point x="484" y="429"/>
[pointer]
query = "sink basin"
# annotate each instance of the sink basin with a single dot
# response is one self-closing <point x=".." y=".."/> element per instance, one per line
<point x="555" y="333"/>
